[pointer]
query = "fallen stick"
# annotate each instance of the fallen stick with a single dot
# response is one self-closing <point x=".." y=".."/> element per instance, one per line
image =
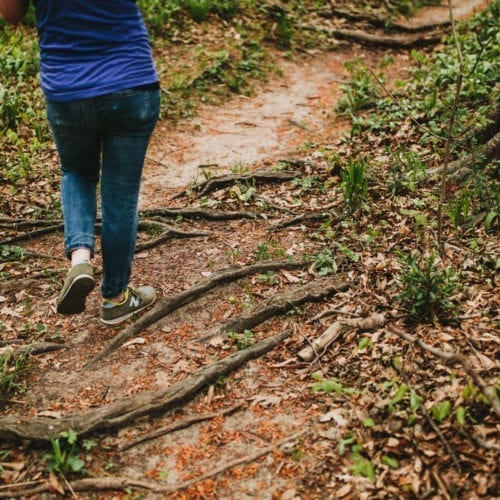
<point x="337" y="329"/>
<point x="176" y="426"/>
<point x="454" y="357"/>
<point x="126" y="410"/>
<point x="461" y="168"/>
<point x="169" y="304"/>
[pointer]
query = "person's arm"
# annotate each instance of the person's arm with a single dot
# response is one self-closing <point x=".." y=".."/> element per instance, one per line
<point x="13" y="11"/>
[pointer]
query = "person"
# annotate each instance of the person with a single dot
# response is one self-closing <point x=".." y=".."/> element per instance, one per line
<point x="102" y="98"/>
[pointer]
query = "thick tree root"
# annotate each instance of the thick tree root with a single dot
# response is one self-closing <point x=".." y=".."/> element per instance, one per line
<point x="120" y="483"/>
<point x="279" y="304"/>
<point x="122" y="412"/>
<point x="170" y="304"/>
<point x="259" y="175"/>
<point x="380" y="22"/>
<point x="198" y="213"/>
<point x="393" y="41"/>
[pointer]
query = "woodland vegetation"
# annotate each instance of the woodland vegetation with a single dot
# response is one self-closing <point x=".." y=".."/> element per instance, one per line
<point x="352" y="287"/>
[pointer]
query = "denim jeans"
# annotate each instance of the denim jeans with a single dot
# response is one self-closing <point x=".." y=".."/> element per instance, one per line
<point x="104" y="137"/>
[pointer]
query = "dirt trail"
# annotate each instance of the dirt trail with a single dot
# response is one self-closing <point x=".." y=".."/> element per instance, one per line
<point x="294" y="109"/>
<point x="287" y="113"/>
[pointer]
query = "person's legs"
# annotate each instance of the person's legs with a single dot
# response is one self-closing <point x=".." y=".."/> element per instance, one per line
<point x="79" y="152"/>
<point x="130" y="117"/>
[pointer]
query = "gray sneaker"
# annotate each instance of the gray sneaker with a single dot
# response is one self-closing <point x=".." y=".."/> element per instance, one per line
<point x="78" y="284"/>
<point x="135" y="301"/>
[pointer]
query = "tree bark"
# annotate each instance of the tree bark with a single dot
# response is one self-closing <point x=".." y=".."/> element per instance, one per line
<point x="126" y="410"/>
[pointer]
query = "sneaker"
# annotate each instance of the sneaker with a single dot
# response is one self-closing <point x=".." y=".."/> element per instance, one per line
<point x="134" y="301"/>
<point x="78" y="284"/>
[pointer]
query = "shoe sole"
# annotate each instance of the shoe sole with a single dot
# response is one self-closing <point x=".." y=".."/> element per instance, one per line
<point x="120" y="319"/>
<point x="73" y="301"/>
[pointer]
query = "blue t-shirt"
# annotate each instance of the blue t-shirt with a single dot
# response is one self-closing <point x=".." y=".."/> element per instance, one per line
<point x="92" y="47"/>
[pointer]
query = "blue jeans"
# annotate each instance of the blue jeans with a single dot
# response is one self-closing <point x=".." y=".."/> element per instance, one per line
<point x="104" y="137"/>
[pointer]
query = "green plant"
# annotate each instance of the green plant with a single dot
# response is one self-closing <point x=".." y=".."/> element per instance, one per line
<point x="459" y="208"/>
<point x="269" y="278"/>
<point x="308" y="184"/>
<point x="12" y="366"/>
<point x="359" y="91"/>
<point x="64" y="457"/>
<point x="426" y="287"/>
<point x="242" y="340"/>
<point x="325" y="263"/>
<point x="355" y="185"/>
<point x="243" y="191"/>
<point x="407" y="169"/>
<point x="441" y="410"/>
<point x="361" y="466"/>
<point x="267" y="250"/>
<point x="331" y="385"/>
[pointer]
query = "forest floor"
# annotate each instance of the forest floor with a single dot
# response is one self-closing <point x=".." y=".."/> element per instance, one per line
<point x="334" y="424"/>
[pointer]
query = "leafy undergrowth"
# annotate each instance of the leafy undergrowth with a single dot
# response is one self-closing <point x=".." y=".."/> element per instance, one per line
<point x="384" y="413"/>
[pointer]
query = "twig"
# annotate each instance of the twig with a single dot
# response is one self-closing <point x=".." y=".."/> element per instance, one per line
<point x="400" y="104"/>
<point x="305" y="218"/>
<point x="454" y="357"/>
<point x="451" y="126"/>
<point x="441" y="485"/>
<point x="90" y="484"/>
<point x="18" y="485"/>
<point x="234" y="463"/>
<point x="183" y="424"/>
<point x="436" y="429"/>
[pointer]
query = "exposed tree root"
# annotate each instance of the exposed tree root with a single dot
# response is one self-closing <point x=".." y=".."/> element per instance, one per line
<point x="120" y="483"/>
<point x="90" y="484"/>
<point x="301" y="219"/>
<point x="18" y="224"/>
<point x="279" y="304"/>
<point x="169" y="233"/>
<point x="454" y="357"/>
<point x="169" y="304"/>
<point x="393" y="41"/>
<point x="259" y="175"/>
<point x="198" y="213"/>
<point x="123" y="411"/>
<point x="235" y="463"/>
<point x="463" y="167"/>
<point x="379" y="22"/>
<point x="335" y="330"/>
<point x="34" y="234"/>
<point x="176" y="426"/>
